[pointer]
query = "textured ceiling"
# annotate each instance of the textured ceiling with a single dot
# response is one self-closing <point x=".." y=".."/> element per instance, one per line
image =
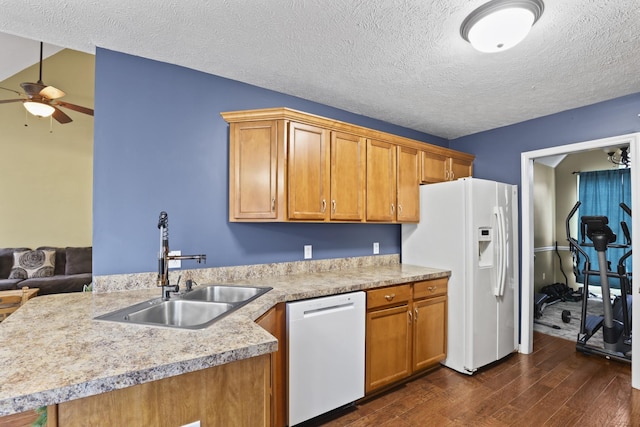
<point x="402" y="61"/>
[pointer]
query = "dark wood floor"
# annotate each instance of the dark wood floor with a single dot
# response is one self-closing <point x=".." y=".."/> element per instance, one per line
<point x="554" y="386"/>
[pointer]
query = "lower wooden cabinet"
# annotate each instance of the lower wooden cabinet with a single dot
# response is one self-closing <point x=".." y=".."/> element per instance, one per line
<point x="234" y="394"/>
<point x="274" y="322"/>
<point x="406" y="331"/>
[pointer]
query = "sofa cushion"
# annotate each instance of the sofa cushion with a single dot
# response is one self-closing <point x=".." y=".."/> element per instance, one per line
<point x="58" y="284"/>
<point x="6" y="260"/>
<point x="28" y="264"/>
<point x="79" y="260"/>
<point x="9" y="284"/>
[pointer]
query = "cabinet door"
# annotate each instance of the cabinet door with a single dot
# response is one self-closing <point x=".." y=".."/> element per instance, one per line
<point x="435" y="167"/>
<point x="308" y="172"/>
<point x="460" y="168"/>
<point x="388" y="346"/>
<point x="381" y="181"/>
<point x="274" y="322"/>
<point x="408" y="209"/>
<point x="348" y="164"/>
<point x="253" y="165"/>
<point x="429" y="331"/>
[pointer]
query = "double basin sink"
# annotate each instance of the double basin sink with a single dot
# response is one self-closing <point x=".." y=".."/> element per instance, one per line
<point x="195" y="309"/>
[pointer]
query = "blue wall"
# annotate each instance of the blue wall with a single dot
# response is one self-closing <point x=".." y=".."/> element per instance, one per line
<point x="161" y="144"/>
<point x="498" y="150"/>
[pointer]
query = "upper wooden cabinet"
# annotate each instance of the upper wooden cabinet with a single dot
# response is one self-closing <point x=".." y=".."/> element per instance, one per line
<point x="286" y="165"/>
<point x="439" y="167"/>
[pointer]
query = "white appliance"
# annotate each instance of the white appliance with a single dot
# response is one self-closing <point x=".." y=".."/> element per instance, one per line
<point x="470" y="226"/>
<point x="326" y="354"/>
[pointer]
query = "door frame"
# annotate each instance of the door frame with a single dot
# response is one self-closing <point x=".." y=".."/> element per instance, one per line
<point x="526" y="194"/>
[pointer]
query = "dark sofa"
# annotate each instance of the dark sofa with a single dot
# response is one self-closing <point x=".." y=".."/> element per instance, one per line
<point x="72" y="271"/>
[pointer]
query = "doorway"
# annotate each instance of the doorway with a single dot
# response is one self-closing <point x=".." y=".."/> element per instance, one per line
<point x="527" y="288"/>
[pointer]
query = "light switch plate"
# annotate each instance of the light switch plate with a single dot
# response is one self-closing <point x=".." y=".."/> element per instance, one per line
<point x="175" y="263"/>
<point x="308" y="254"/>
<point x="376" y="248"/>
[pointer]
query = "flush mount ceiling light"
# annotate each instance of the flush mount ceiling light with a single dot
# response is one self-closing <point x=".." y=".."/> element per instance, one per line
<point x="39" y="109"/>
<point x="500" y="24"/>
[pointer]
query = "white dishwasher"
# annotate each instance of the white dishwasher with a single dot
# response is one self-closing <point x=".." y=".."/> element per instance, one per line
<point x="326" y="354"/>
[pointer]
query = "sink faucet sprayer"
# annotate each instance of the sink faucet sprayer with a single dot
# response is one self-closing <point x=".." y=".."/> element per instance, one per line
<point x="164" y="258"/>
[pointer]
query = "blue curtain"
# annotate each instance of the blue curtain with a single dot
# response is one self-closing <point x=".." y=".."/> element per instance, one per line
<point x="601" y="193"/>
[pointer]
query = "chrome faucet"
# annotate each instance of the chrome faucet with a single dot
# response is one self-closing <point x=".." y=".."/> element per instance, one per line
<point x="164" y="258"/>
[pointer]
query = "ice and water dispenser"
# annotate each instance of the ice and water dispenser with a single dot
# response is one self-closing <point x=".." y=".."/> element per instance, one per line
<point x="485" y="247"/>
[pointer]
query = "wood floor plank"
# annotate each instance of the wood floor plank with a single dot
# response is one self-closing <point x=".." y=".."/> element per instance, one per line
<point x="553" y="386"/>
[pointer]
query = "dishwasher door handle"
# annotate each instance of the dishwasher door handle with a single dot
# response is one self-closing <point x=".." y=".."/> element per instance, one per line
<point x="321" y="311"/>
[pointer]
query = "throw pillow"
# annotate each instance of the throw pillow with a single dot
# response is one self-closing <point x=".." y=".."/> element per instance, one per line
<point x="78" y="260"/>
<point x="30" y="264"/>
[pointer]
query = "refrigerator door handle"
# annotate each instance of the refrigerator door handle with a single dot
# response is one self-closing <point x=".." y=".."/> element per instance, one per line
<point x="503" y="251"/>
<point x="499" y="288"/>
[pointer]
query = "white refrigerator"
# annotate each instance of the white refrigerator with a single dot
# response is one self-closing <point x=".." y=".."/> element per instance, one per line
<point x="470" y="226"/>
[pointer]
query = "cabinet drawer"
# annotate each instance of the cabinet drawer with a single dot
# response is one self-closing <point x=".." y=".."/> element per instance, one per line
<point x="391" y="295"/>
<point x="430" y="288"/>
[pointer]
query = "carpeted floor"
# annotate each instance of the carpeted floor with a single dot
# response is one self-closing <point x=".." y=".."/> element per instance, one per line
<point x="552" y="315"/>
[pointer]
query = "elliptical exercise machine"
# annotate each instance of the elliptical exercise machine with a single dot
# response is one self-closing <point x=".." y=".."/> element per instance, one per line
<point x="616" y="319"/>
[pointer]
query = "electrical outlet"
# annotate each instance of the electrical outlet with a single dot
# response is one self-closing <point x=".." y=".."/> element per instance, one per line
<point x="308" y="254"/>
<point x="175" y="263"/>
<point x="376" y="248"/>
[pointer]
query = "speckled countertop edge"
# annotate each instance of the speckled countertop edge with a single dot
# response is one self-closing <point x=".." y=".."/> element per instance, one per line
<point x="53" y="358"/>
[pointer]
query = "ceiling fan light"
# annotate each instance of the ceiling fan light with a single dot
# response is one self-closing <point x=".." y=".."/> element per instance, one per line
<point x="39" y="109"/>
<point x="500" y="24"/>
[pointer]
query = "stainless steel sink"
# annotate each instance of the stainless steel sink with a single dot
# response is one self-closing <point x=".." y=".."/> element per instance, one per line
<point x="225" y="293"/>
<point x="193" y="310"/>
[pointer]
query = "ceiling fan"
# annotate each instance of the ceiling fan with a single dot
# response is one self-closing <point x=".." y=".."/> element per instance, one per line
<point x="43" y="101"/>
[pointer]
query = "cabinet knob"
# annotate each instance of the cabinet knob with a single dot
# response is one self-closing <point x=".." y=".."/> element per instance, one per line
<point x="273" y="203"/>
<point x="324" y="205"/>
<point x="333" y="206"/>
<point x="390" y="297"/>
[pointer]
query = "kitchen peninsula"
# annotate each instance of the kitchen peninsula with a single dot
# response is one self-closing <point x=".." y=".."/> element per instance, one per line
<point x="59" y="354"/>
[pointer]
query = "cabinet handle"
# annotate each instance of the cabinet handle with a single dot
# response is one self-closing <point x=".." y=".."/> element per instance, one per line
<point x="416" y="311"/>
<point x="453" y="176"/>
<point x="390" y="297"/>
<point x="410" y="316"/>
<point x="399" y="208"/>
<point x="333" y="206"/>
<point x="324" y="205"/>
<point x="273" y="203"/>
<point x="432" y="288"/>
<point x="393" y="208"/>
<point x="446" y="174"/>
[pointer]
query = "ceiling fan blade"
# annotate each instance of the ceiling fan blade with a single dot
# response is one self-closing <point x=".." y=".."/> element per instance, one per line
<point x="74" y="107"/>
<point x="51" y="92"/>
<point x="6" y="101"/>
<point x="11" y="90"/>
<point x="32" y="89"/>
<point x="61" y="117"/>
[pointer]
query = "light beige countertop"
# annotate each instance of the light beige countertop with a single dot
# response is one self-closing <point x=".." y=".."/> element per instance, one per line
<point x="53" y="351"/>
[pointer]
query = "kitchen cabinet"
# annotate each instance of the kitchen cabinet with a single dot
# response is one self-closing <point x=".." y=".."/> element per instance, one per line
<point x="381" y="181"/>
<point x="308" y="170"/>
<point x="274" y="322"/>
<point x="286" y="165"/>
<point x="406" y="331"/>
<point x="388" y="336"/>
<point x="408" y="185"/>
<point x="235" y="394"/>
<point x="348" y="175"/>
<point x="442" y="166"/>
<point x="429" y="323"/>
